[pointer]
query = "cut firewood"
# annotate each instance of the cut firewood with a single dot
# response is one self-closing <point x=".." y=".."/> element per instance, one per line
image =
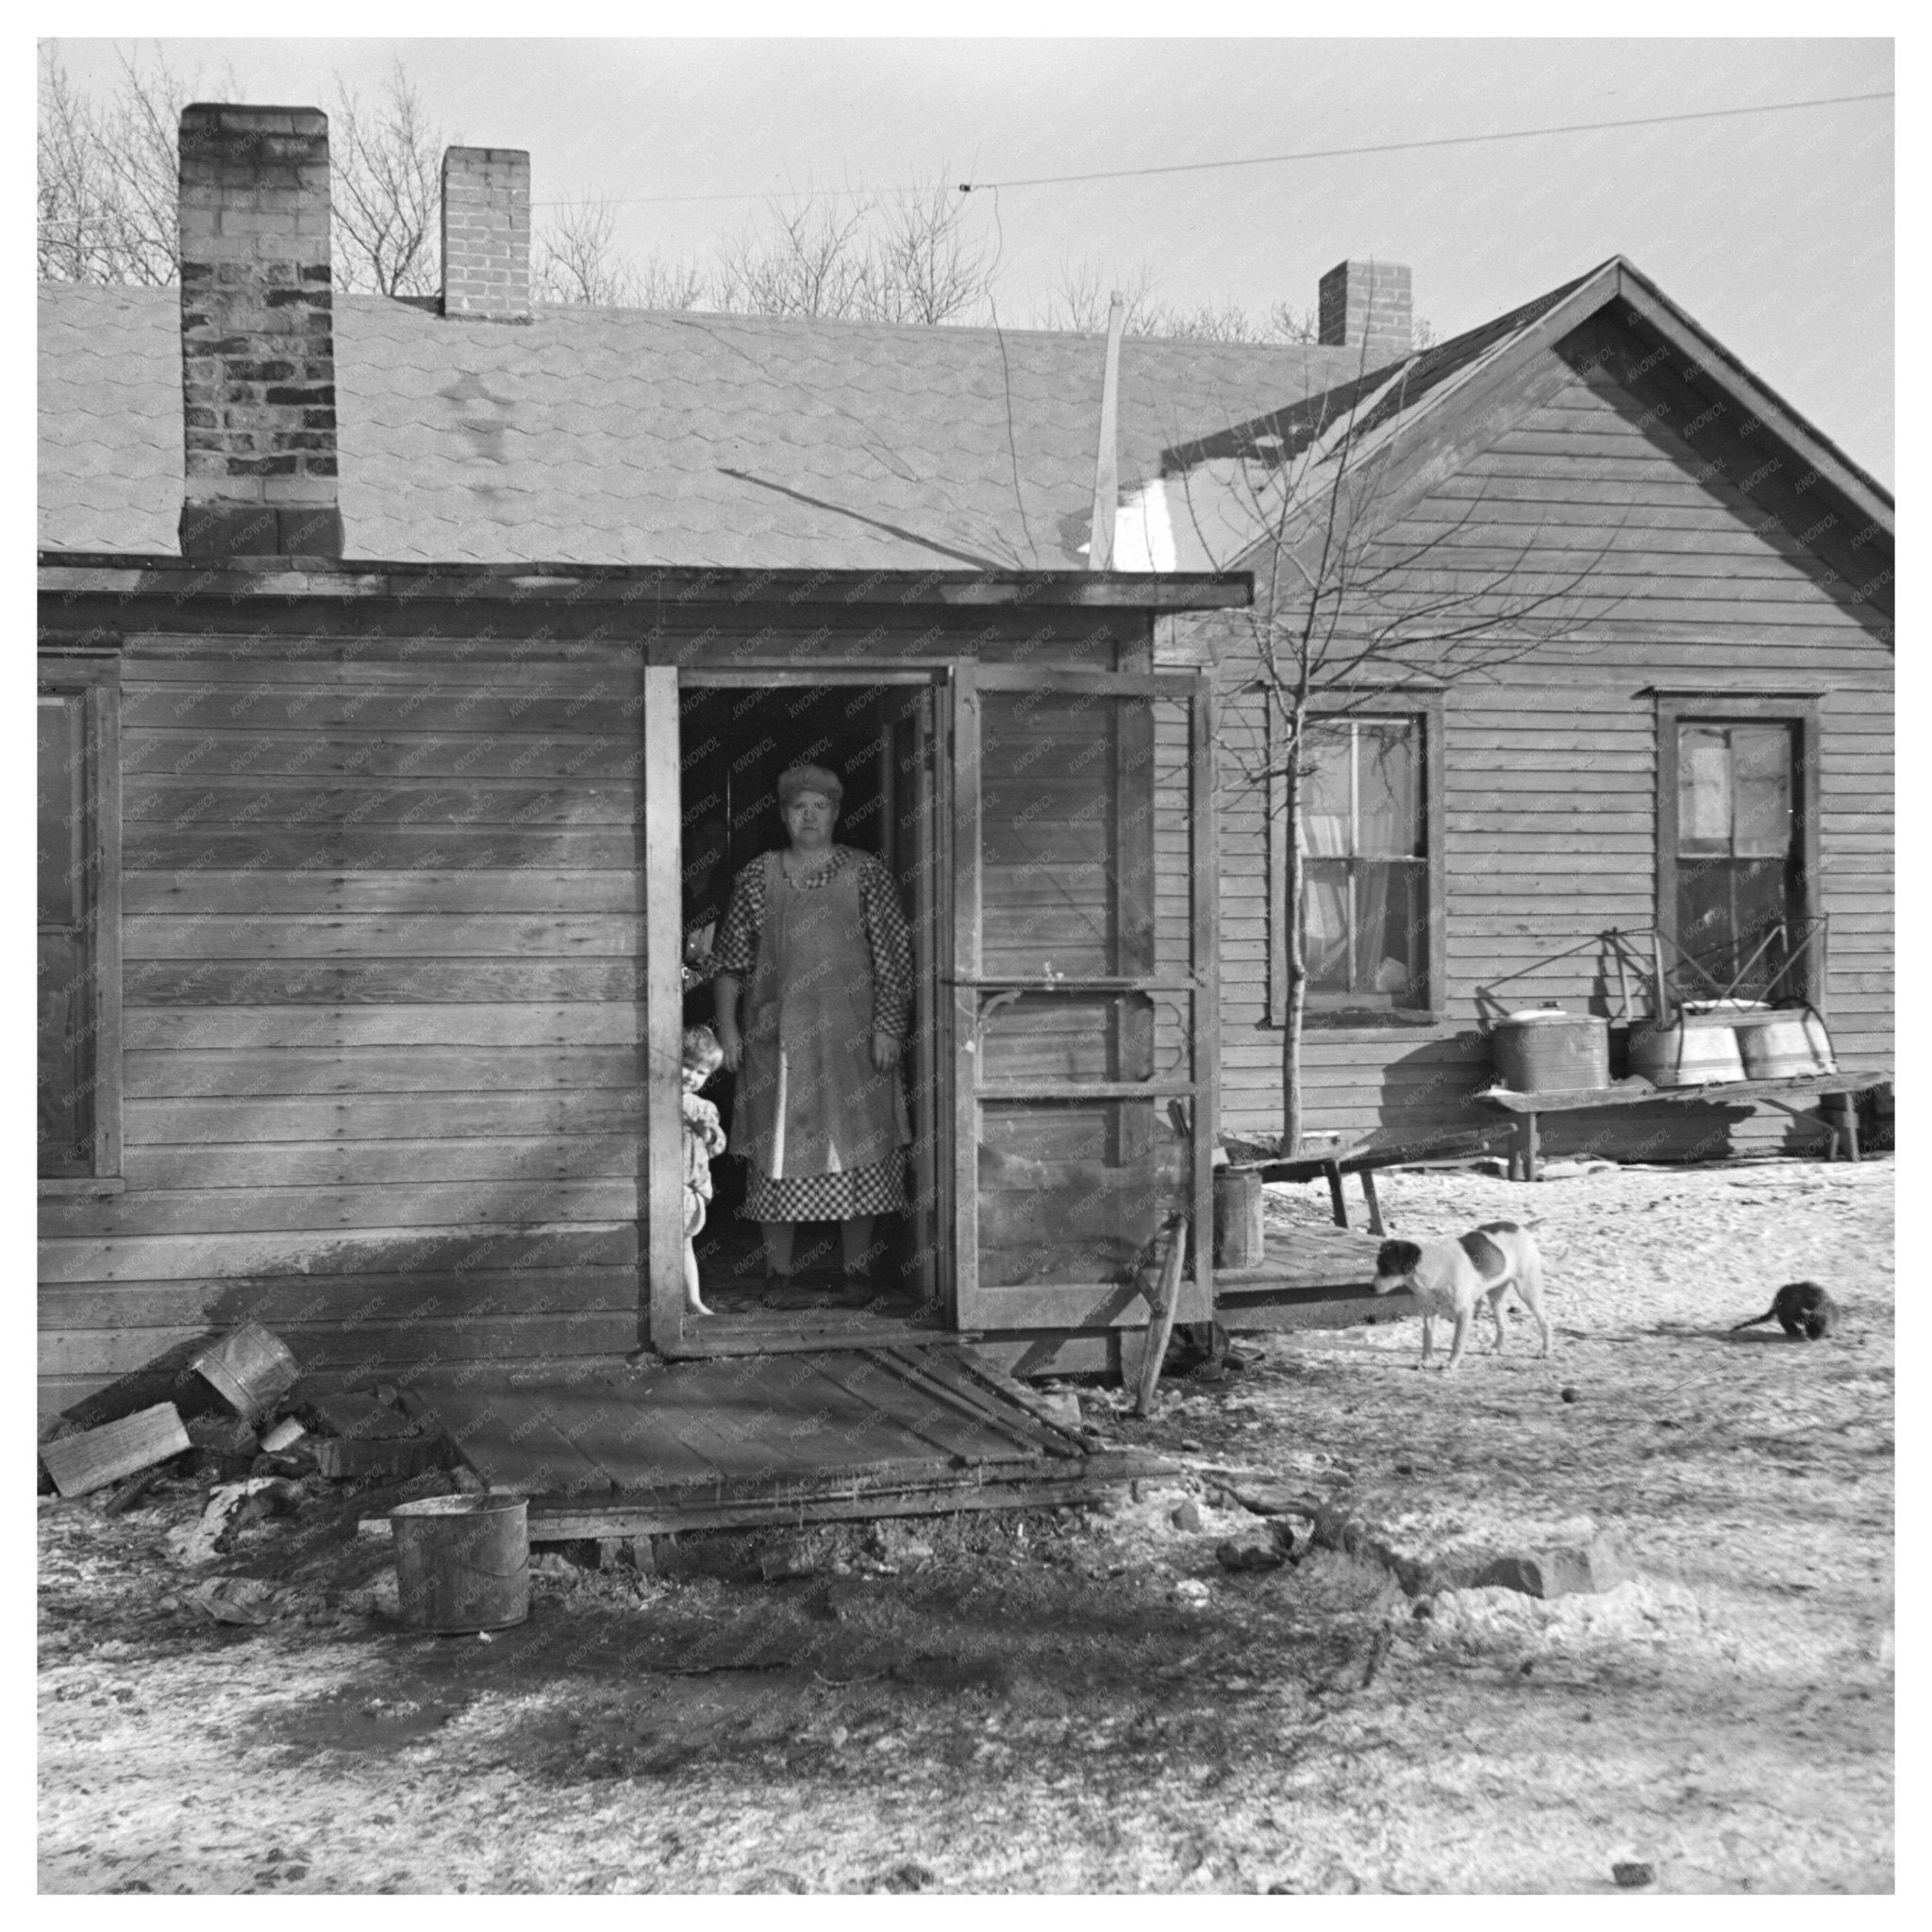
<point x="104" y="1456"/>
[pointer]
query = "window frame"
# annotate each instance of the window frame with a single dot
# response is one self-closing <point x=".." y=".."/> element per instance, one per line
<point x="95" y="679"/>
<point x="1423" y="707"/>
<point x="1802" y="712"/>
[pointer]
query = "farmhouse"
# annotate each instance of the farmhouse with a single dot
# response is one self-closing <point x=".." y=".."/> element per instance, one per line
<point x="387" y="645"/>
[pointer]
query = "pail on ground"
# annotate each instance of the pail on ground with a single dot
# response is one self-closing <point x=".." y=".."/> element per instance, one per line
<point x="1691" y="1053"/>
<point x="1784" y="1042"/>
<point x="462" y="1562"/>
<point x="1239" y="1231"/>
<point x="248" y="1367"/>
<point x="1548" y="1052"/>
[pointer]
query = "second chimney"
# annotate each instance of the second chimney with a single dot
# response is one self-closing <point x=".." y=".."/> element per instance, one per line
<point x="258" y="335"/>
<point x="486" y="234"/>
<point x="1368" y="304"/>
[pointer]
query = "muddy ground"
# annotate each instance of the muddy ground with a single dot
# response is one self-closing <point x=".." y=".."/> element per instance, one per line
<point x="1093" y="1701"/>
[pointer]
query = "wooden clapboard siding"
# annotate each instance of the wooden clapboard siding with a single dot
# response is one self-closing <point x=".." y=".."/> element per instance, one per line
<point x="385" y="932"/>
<point x="1549" y="784"/>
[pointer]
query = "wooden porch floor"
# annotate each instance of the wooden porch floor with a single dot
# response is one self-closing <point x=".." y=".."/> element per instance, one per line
<point x="1310" y="1277"/>
<point x="797" y="1437"/>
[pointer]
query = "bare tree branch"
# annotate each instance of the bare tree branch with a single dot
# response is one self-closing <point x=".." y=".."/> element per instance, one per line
<point x="386" y="188"/>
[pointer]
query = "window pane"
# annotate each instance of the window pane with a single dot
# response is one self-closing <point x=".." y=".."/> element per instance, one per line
<point x="60" y="771"/>
<point x="1761" y="773"/>
<point x="1326" y="784"/>
<point x="1703" y="789"/>
<point x="1324" y="927"/>
<point x="1390" y="948"/>
<point x="1389" y="821"/>
<point x="60" y="1109"/>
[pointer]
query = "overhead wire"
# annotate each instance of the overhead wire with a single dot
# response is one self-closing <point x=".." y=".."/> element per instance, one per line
<point x="1313" y="153"/>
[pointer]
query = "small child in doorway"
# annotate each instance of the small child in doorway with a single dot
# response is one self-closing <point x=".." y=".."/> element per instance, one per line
<point x="703" y="1135"/>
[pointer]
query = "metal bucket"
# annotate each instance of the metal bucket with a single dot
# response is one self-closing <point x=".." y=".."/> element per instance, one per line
<point x="1239" y="1227"/>
<point x="1693" y="1055"/>
<point x="249" y="1369"/>
<point x="1548" y="1052"/>
<point x="1783" y="1043"/>
<point x="462" y="1562"/>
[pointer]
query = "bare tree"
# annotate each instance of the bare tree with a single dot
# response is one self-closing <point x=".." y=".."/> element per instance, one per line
<point x="386" y="190"/>
<point x="808" y="258"/>
<point x="924" y="266"/>
<point x="107" y="170"/>
<point x="1345" y="613"/>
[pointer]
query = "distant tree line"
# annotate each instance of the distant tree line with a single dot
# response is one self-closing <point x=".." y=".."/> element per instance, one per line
<point x="105" y="212"/>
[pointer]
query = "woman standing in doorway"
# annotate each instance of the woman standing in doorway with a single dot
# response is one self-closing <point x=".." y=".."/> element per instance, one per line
<point x="815" y="943"/>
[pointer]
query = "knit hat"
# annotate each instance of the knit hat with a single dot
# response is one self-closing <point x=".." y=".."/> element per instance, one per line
<point x="808" y="779"/>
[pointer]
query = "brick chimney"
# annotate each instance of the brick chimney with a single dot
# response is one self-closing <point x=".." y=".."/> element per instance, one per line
<point x="486" y="234"/>
<point x="1368" y="301"/>
<point x="257" y="340"/>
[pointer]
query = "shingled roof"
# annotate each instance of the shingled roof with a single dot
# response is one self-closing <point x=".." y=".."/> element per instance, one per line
<point x="634" y="437"/>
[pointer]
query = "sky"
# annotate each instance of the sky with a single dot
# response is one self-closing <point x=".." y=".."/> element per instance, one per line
<point x="1775" y="231"/>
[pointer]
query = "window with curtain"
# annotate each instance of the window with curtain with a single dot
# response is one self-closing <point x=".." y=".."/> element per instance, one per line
<point x="1363" y="830"/>
<point x="1739" y="859"/>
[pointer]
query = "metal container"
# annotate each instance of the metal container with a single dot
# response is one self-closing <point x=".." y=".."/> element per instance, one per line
<point x="248" y="1367"/>
<point x="462" y="1562"/>
<point x="1784" y="1042"/>
<point x="1239" y="1236"/>
<point x="1691" y="1053"/>
<point x="1545" y="1051"/>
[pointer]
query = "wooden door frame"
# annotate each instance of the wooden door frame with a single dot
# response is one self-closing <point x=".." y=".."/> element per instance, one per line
<point x="661" y="1180"/>
<point x="1196" y="689"/>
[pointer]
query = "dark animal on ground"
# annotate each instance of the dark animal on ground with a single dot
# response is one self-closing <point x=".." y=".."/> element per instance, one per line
<point x="1803" y="1309"/>
<point x="1450" y="1278"/>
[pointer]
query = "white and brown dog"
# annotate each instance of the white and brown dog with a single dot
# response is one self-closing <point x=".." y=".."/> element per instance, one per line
<point x="1450" y="1278"/>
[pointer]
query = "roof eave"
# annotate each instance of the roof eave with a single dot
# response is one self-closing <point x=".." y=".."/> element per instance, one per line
<point x="287" y="578"/>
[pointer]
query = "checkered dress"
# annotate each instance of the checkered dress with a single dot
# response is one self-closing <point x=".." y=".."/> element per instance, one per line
<point x="878" y="1189"/>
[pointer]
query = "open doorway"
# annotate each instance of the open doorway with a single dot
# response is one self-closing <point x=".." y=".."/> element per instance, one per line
<point x="737" y="733"/>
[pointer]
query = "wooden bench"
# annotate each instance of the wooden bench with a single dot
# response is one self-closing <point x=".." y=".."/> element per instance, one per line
<point x="1844" y="1086"/>
<point x="1363" y="1158"/>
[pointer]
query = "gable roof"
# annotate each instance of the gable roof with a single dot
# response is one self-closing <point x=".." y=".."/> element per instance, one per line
<point x="623" y="436"/>
<point x="1206" y="509"/>
<point x="630" y="437"/>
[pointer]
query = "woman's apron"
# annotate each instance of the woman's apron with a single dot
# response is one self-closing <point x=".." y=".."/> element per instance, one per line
<point x="810" y="1101"/>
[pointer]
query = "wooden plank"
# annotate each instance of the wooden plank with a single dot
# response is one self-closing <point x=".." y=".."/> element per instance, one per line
<point x="329" y="806"/>
<point x="662" y="1179"/>
<point x="365" y="936"/>
<point x="235" y="1029"/>
<point x="379" y="1117"/>
<point x="568" y="1523"/>
<point x="99" y="1457"/>
<point x="352" y="710"/>
<point x="348" y="1251"/>
<point x="358" y="845"/>
<point x="366" y="1348"/>
<point x="397" y="888"/>
<point x="262" y="1073"/>
<point x="511" y="1443"/>
<point x="305" y="1301"/>
<point x="893" y="1396"/>
<point x="482" y="982"/>
<point x="923" y="1368"/>
<point x="231" y="1210"/>
<point x="384" y="753"/>
<point x="344" y="1163"/>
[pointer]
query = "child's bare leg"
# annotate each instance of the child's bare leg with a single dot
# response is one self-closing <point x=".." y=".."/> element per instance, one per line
<point x="693" y="1300"/>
